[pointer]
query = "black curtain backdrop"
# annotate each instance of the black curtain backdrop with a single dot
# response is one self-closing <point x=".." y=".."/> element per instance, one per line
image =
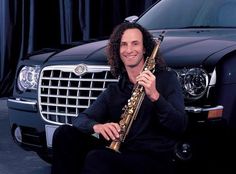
<point x="30" y="25"/>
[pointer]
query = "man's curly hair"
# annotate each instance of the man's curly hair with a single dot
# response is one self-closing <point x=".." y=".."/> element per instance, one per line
<point x="113" y="47"/>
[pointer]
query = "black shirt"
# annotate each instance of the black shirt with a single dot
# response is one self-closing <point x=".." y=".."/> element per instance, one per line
<point x="158" y="124"/>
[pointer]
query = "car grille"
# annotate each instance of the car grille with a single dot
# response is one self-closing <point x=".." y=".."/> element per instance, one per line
<point x="63" y="94"/>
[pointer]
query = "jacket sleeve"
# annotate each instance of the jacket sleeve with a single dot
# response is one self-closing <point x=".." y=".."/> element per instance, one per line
<point x="170" y="105"/>
<point x="95" y="114"/>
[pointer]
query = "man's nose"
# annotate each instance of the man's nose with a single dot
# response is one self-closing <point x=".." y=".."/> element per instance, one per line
<point x="129" y="49"/>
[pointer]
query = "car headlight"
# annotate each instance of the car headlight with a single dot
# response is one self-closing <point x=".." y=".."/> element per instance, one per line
<point x="194" y="82"/>
<point x="28" y="78"/>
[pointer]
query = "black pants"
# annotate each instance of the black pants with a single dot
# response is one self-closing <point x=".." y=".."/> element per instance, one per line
<point x="75" y="152"/>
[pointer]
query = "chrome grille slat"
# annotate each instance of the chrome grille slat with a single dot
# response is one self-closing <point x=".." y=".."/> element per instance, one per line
<point x="62" y="105"/>
<point x="54" y="87"/>
<point x="57" y="113"/>
<point x="63" y="95"/>
<point x="73" y="79"/>
<point x="72" y="97"/>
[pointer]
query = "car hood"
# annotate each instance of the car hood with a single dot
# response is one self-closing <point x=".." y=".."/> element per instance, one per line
<point x="195" y="47"/>
<point x="183" y="47"/>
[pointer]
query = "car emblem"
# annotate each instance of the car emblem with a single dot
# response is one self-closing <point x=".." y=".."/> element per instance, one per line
<point x="80" y="69"/>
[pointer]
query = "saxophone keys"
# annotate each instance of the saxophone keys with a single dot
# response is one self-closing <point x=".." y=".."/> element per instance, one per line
<point x="131" y="111"/>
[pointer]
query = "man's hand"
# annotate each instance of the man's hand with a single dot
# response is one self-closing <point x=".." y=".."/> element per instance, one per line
<point x="148" y="81"/>
<point x="107" y="130"/>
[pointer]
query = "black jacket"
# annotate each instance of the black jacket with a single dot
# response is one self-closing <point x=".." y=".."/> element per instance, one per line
<point x="158" y="124"/>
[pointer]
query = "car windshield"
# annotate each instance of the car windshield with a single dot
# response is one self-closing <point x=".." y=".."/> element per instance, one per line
<point x="174" y="14"/>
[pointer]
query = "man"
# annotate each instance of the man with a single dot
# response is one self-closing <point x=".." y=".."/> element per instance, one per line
<point x="149" y="145"/>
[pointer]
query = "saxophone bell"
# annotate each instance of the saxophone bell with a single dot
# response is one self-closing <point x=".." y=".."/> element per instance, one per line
<point x="115" y="145"/>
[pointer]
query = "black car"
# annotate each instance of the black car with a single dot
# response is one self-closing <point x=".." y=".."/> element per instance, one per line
<point x="53" y="87"/>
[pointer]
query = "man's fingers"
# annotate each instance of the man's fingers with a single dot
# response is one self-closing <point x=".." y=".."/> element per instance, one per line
<point x="116" y="126"/>
<point x="146" y="77"/>
<point x="104" y="134"/>
<point x="110" y="131"/>
<point x="113" y="129"/>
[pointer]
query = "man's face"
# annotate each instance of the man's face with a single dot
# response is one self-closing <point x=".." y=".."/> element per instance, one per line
<point x="131" y="48"/>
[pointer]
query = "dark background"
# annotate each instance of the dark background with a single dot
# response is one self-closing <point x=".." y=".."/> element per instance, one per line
<point x="30" y="25"/>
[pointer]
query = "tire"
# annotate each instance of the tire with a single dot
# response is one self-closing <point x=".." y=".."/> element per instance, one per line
<point x="45" y="157"/>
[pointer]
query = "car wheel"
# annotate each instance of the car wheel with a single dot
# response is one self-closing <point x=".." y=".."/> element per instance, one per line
<point x="45" y="157"/>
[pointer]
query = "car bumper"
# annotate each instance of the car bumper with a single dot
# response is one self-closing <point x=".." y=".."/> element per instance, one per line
<point x="27" y="126"/>
<point x="25" y="119"/>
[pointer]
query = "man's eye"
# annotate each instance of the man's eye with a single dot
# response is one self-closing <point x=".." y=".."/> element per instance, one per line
<point x="122" y="44"/>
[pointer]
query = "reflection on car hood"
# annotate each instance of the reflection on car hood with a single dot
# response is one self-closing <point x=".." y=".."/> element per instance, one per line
<point x="92" y="51"/>
<point x="179" y="47"/>
<point x="193" y="46"/>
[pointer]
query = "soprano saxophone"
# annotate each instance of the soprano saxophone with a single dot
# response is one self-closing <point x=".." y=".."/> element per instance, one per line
<point x="131" y="109"/>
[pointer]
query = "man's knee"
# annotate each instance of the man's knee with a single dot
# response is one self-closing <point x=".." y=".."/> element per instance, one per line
<point x="100" y="161"/>
<point x="64" y="133"/>
<point x="103" y="155"/>
<point x="93" y="155"/>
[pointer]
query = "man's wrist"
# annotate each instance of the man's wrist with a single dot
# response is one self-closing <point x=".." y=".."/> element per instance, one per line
<point x="95" y="128"/>
<point x="155" y="96"/>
